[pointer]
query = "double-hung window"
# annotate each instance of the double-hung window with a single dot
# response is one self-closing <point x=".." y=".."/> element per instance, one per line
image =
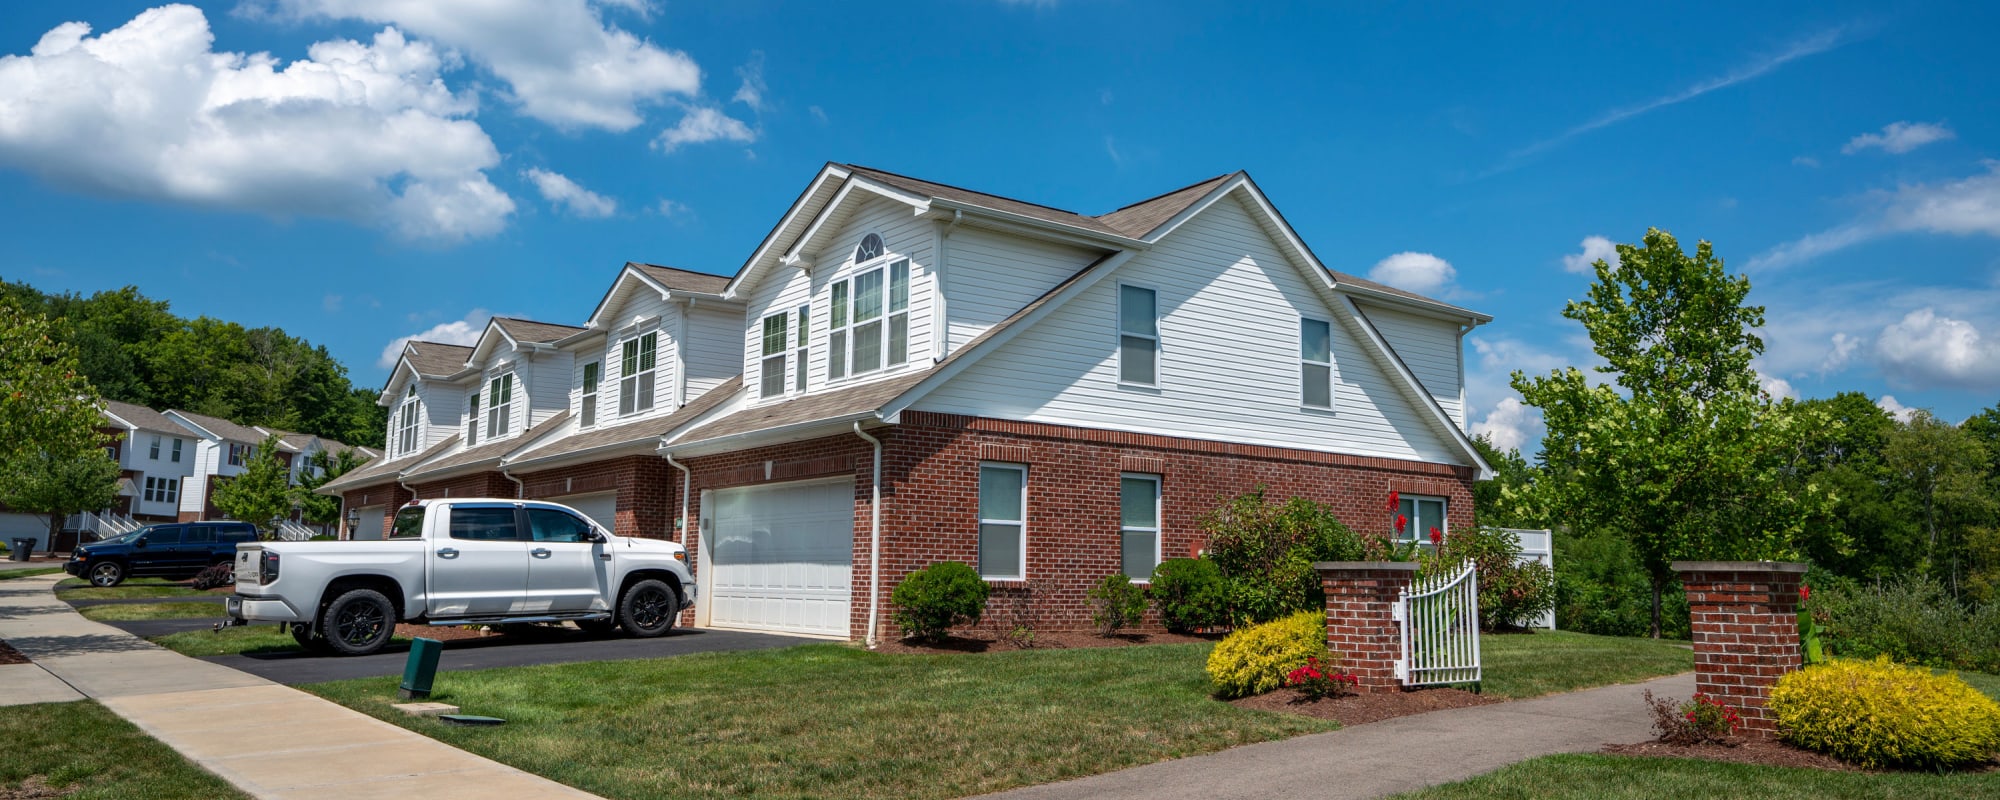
<point x="1421" y="516"/>
<point x="799" y="376"/>
<point x="237" y="454"/>
<point x="163" y="490"/>
<point x="177" y="450"/>
<point x="776" y="345"/>
<point x="1003" y="521"/>
<point x="870" y="324"/>
<point x="1315" y="363"/>
<point x="154" y="452"/>
<point x="472" y="417"/>
<point x="405" y="422"/>
<point x="1139" y="525"/>
<point x="638" y="359"/>
<point x="1138" y="336"/>
<point x="499" y="406"/>
<point x="592" y="373"/>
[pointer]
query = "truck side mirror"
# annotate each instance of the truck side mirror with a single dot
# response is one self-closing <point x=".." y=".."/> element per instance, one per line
<point x="593" y="537"/>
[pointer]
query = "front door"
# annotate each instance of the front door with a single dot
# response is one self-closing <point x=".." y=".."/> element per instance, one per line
<point x="481" y="567"/>
<point x="566" y="568"/>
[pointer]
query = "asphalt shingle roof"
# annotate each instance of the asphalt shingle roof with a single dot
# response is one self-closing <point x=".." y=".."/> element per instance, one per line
<point x="683" y="280"/>
<point x="1141" y="218"/>
<point x="992" y="201"/>
<point x="146" y="418"/>
<point x="437" y="360"/>
<point x="381" y="470"/>
<point x="524" y="330"/>
<point x="634" y="432"/>
<point x="490" y="451"/>
<point x="224" y="428"/>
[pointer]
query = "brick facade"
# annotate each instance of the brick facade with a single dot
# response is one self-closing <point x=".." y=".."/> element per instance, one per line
<point x="648" y="490"/>
<point x="1360" y="625"/>
<point x="478" y="484"/>
<point x="930" y="494"/>
<point x="1745" y="623"/>
<point x="390" y="496"/>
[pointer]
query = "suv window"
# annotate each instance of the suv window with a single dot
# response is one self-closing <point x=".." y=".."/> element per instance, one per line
<point x="165" y="534"/>
<point x="484" y="523"/>
<point x="550" y="525"/>
<point x="200" y="534"/>
<point x="409" y="523"/>
<point x="235" y="533"/>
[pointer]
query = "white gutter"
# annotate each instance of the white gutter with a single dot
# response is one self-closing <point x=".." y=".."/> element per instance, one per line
<point x="874" y="534"/>
<point x="734" y="440"/>
<point x="687" y="483"/>
<point x="520" y="489"/>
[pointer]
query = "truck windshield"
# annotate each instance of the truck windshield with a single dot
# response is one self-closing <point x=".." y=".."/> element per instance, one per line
<point x="409" y="523"/>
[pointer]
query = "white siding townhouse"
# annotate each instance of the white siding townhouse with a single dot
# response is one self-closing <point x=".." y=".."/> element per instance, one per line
<point x="905" y="372"/>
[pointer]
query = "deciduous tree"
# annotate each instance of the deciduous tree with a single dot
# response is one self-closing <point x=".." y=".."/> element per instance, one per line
<point x="262" y="492"/>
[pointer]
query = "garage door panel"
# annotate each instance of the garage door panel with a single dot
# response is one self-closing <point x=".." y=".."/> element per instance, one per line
<point x="369" y="523"/>
<point x="600" y="508"/>
<point x="781" y="557"/>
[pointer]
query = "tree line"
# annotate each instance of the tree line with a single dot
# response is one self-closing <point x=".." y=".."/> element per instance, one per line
<point x="135" y="349"/>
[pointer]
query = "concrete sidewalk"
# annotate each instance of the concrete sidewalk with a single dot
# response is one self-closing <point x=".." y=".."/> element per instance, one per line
<point x="1388" y="757"/>
<point x="271" y="741"/>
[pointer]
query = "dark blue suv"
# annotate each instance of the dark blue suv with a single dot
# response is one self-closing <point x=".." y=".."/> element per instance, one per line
<point x="175" y="550"/>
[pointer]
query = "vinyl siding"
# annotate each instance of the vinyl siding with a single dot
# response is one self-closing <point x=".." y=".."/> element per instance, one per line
<point x="712" y="356"/>
<point x="1229" y="307"/>
<point x="548" y="386"/>
<point x="1429" y="347"/>
<point x="903" y="236"/>
<point x="665" y="318"/>
<point x="990" y="275"/>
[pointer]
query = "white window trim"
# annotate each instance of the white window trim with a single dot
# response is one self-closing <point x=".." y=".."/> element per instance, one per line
<point x="637" y="339"/>
<point x="883" y="264"/>
<point x="783" y="356"/>
<point x="1119" y="334"/>
<point x="1159" y="523"/>
<point x="1021" y="523"/>
<point x="1331" y="383"/>
<point x="802" y="341"/>
<point x="1424" y="537"/>
<point x="177" y="450"/>
<point x="588" y="392"/>
<point x="502" y="411"/>
<point x="153" y="452"/>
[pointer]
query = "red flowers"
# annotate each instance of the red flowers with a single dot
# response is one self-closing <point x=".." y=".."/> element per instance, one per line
<point x="1401" y="523"/>
<point x="1805" y="592"/>
<point x="1315" y="684"/>
<point x="1394" y="500"/>
<point x="1437" y="537"/>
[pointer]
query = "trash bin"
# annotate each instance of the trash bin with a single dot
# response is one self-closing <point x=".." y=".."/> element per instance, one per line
<point x="22" y="548"/>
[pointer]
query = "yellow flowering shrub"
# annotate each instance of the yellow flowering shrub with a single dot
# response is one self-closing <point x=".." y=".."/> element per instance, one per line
<point x="1881" y="714"/>
<point x="1255" y="660"/>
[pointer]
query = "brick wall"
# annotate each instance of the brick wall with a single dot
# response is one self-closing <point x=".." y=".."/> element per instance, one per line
<point x="390" y="496"/>
<point x="647" y="488"/>
<point x="1360" y="602"/>
<point x="1745" y="624"/>
<point x="478" y="484"/>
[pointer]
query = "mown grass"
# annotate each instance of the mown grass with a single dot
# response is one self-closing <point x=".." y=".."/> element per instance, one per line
<point x="29" y="573"/>
<point x="79" y="589"/>
<point x="831" y="721"/>
<point x="229" y="641"/>
<point x="127" y="612"/>
<point x="1546" y="662"/>
<point x="1592" y="776"/>
<point x="84" y="748"/>
<point x="1989" y="684"/>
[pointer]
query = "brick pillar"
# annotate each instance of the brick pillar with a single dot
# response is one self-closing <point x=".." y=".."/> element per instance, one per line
<point x="1360" y="596"/>
<point x="1745" y="620"/>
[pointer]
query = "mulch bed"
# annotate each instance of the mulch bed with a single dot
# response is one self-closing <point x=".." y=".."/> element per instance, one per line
<point x="989" y="641"/>
<point x="442" y="633"/>
<point x="9" y="655"/>
<point x="1361" y="709"/>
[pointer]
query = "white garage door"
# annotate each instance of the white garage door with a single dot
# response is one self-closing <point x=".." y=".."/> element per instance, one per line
<point x="601" y="508"/>
<point x="370" y="525"/>
<point x="780" y="557"/>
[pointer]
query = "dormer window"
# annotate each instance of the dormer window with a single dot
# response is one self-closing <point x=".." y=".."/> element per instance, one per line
<point x="870" y="249"/>
<point x="776" y="345"/>
<point x="499" y="406"/>
<point x="860" y="323"/>
<point x="592" y="374"/>
<point x="637" y="370"/>
<point x="472" y="418"/>
<point x="405" y="421"/>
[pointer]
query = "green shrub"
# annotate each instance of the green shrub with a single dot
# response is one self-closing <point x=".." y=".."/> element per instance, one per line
<point x="1511" y="593"/>
<point x="1266" y="552"/>
<point x="1881" y="714"/>
<point x="934" y="598"/>
<point x="1914" y="621"/>
<point x="1256" y="659"/>
<point x="1601" y="589"/>
<point x="1190" y="594"/>
<point x="1116" y="602"/>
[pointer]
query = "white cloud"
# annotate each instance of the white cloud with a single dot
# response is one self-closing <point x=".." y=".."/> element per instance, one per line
<point x="1595" y="248"/>
<point x="818" y="114"/>
<point x="1899" y="137"/>
<point x="1111" y="149"/>
<point x="1965" y="207"/>
<point x="562" y="63"/>
<point x="460" y="332"/>
<point x="1901" y="412"/>
<point x="751" y="92"/>
<point x="1778" y="388"/>
<point x="1839" y="353"/>
<point x="559" y="190"/>
<point x="670" y="208"/>
<point x="1422" y="273"/>
<point x="1512" y="426"/>
<point x="704" y="125"/>
<point x="1805" y="161"/>
<point x="1927" y="349"/>
<point x="365" y="132"/>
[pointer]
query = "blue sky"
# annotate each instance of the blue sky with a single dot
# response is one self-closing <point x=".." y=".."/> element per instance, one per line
<point x="362" y="170"/>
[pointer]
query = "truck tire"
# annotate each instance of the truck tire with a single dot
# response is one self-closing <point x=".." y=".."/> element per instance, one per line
<point x="358" y="622"/>
<point x="648" y="608"/>
<point x="106" y="574"/>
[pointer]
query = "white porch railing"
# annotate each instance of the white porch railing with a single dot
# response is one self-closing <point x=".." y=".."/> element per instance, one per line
<point x="1440" y="616"/>
<point x="290" y="531"/>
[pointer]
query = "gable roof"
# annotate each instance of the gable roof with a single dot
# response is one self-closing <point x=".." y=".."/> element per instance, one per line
<point x="145" y="419"/>
<point x="436" y="359"/>
<point x="1142" y="218"/>
<point x="384" y="470"/>
<point x="491" y="451"/>
<point x="682" y="280"/>
<point x="982" y="199"/>
<point x="645" y="430"/>
<point x="525" y="330"/>
<point x="224" y="429"/>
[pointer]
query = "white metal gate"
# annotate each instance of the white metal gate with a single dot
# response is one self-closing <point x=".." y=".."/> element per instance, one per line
<point x="1440" y="616"/>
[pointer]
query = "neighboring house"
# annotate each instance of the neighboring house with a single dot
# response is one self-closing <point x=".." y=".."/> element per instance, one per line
<point x="906" y="372"/>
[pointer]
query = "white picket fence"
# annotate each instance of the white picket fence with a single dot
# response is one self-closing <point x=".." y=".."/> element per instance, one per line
<point x="1440" y="620"/>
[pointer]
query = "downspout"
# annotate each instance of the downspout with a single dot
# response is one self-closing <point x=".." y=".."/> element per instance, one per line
<point x="874" y="534"/>
<point x="520" y="489"/>
<point x="687" y="483"/>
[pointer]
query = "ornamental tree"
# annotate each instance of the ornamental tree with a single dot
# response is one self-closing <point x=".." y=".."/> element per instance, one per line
<point x="1680" y="452"/>
<point x="50" y="457"/>
<point x="263" y="491"/>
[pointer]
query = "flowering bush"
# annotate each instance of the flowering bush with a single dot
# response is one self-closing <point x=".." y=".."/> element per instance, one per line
<point x="1316" y="683"/>
<point x="1256" y="659"/>
<point x="1811" y="649"/>
<point x="1702" y="720"/>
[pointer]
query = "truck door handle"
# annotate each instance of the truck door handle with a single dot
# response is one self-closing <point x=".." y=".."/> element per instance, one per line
<point x="540" y="552"/>
<point x="449" y="552"/>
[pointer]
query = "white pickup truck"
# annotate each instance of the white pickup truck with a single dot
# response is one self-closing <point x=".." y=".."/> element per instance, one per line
<point x="463" y="562"/>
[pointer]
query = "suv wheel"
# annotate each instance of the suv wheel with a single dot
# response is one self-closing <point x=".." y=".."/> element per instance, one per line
<point x="358" y="622"/>
<point x="649" y="608"/>
<point x="107" y="574"/>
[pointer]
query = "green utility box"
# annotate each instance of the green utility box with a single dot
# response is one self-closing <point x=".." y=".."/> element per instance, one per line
<point x="421" y="669"/>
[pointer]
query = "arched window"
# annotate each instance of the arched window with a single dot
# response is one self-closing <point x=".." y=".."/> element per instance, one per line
<point x="871" y="247"/>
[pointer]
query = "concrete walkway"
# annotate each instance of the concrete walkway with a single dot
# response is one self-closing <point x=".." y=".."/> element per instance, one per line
<point x="271" y="741"/>
<point x="1388" y="757"/>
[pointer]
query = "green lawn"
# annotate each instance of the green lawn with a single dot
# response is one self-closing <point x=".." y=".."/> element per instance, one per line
<point x="1990" y="684"/>
<point x="79" y="589"/>
<point x="1531" y="665"/>
<point x="29" y="573"/>
<point x="834" y="721"/>
<point x="264" y="638"/>
<point x="126" y="612"/>
<point x="1591" y="776"/>
<point x="84" y="747"/>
